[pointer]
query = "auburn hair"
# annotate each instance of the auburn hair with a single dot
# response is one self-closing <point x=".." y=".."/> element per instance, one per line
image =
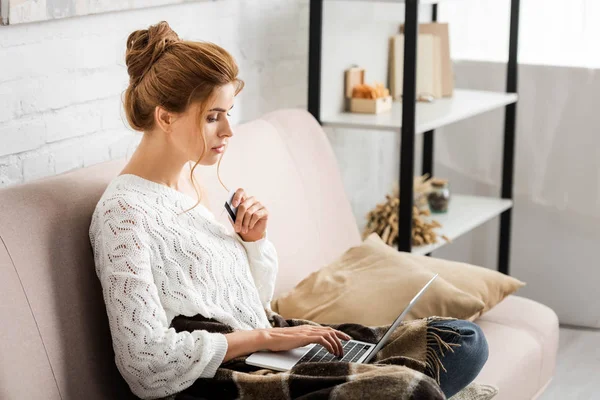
<point x="167" y="71"/>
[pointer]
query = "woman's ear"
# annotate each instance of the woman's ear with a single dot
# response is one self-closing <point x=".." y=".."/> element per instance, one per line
<point x="163" y="118"/>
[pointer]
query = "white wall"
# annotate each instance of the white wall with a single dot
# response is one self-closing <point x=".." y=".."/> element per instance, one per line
<point x="557" y="168"/>
<point x="61" y="81"/>
<point x="557" y="183"/>
<point x="552" y="32"/>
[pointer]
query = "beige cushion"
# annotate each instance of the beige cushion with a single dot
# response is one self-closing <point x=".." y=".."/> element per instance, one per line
<point x="371" y="284"/>
<point x="489" y="286"/>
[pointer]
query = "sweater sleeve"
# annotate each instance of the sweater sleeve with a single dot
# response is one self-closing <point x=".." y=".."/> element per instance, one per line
<point x="154" y="359"/>
<point x="262" y="258"/>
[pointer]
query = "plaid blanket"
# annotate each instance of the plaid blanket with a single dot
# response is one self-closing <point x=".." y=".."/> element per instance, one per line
<point x="407" y="367"/>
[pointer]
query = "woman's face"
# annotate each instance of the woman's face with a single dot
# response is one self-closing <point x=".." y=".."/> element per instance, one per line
<point x="188" y="136"/>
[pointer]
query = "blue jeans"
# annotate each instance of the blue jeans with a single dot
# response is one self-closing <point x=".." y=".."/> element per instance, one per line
<point x="462" y="365"/>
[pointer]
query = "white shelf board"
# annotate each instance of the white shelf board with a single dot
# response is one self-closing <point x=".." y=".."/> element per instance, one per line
<point x="462" y="105"/>
<point x="422" y="2"/>
<point x="464" y="214"/>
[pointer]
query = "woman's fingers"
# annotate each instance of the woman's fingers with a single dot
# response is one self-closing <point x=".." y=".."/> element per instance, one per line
<point x="338" y="344"/>
<point x="335" y="334"/>
<point x="238" y="197"/>
<point x="242" y="218"/>
<point x="249" y="211"/>
<point x="325" y="343"/>
<point x="331" y="336"/>
<point x="259" y="214"/>
<point x="249" y="216"/>
<point x="328" y="334"/>
<point x="242" y="207"/>
<point x="323" y="335"/>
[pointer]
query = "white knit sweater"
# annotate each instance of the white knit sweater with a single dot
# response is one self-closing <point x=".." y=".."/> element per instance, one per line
<point x="154" y="265"/>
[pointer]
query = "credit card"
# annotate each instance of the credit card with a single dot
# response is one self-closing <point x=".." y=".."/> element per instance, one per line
<point x="232" y="211"/>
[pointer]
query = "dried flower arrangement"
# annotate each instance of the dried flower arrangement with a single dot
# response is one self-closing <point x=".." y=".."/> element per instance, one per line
<point x="383" y="219"/>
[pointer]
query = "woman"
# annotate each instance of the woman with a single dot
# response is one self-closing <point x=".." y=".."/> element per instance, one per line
<point x="160" y="254"/>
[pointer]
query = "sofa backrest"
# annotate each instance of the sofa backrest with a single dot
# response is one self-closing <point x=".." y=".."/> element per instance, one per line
<point x="54" y="337"/>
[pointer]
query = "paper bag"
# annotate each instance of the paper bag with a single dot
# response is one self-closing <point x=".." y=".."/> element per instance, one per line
<point x="441" y="30"/>
<point x="429" y="79"/>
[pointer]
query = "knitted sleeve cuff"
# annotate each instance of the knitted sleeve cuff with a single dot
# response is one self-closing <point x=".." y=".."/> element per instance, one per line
<point x="219" y="349"/>
<point x="254" y="249"/>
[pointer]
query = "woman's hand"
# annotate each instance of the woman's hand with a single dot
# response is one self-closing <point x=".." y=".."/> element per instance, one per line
<point x="278" y="339"/>
<point x="251" y="219"/>
<point x="244" y="342"/>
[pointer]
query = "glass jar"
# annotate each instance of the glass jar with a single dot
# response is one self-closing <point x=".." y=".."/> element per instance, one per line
<point x="439" y="197"/>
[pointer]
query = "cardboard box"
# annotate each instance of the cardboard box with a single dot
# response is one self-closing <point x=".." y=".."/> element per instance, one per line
<point x="356" y="76"/>
<point x="371" y="106"/>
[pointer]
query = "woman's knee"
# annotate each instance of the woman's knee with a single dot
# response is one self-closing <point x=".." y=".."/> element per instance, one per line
<point x="473" y="336"/>
<point x="464" y="363"/>
<point x="471" y="339"/>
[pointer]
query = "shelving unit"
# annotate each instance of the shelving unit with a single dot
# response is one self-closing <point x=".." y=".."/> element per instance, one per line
<point x="411" y="118"/>
<point x="466" y="213"/>
<point x="464" y="104"/>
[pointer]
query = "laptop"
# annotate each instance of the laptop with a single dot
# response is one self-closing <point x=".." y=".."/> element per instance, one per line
<point x="354" y="350"/>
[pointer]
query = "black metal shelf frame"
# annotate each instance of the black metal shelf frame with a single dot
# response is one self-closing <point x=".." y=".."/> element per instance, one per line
<point x="407" y="142"/>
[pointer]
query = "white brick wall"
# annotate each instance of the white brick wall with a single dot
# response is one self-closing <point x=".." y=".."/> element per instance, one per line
<point x="61" y="81"/>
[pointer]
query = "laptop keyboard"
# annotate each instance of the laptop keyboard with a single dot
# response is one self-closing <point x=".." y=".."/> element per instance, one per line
<point x="352" y="353"/>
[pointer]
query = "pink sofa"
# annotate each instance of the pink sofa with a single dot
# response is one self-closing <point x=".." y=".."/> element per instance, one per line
<point x="55" y="342"/>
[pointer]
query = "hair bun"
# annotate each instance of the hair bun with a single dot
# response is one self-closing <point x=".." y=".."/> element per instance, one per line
<point x="144" y="48"/>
